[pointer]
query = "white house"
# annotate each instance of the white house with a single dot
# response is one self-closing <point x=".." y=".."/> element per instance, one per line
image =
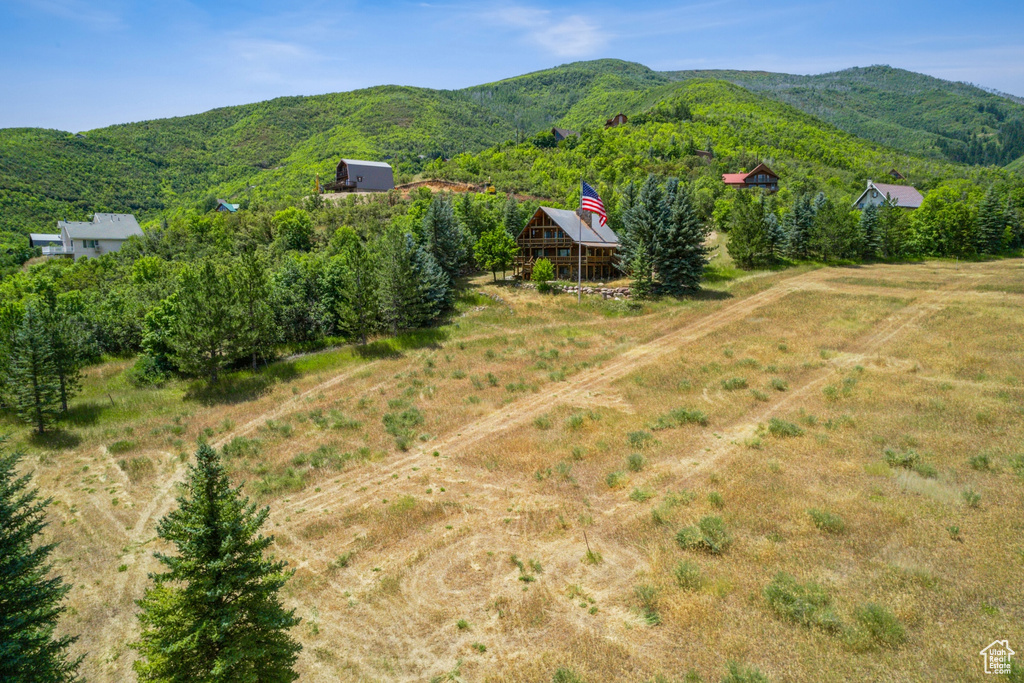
<point x="106" y="233"/>
<point x="876" y="194"/>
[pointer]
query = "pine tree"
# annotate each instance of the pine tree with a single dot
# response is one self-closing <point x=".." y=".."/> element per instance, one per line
<point x="642" y="272"/>
<point x="511" y="219"/>
<point x="748" y="238"/>
<point x="683" y="252"/>
<point x="444" y="236"/>
<point x="644" y="223"/>
<point x="495" y="250"/>
<point x="30" y="595"/>
<point x="207" y="328"/>
<point x="215" y="615"/>
<point x="870" y="232"/>
<point x="433" y="287"/>
<point x="991" y="224"/>
<point x="774" y="234"/>
<point x="799" y="234"/>
<point x="68" y="348"/>
<point x="400" y="293"/>
<point x="33" y="380"/>
<point x="258" y="332"/>
<point x="358" y="297"/>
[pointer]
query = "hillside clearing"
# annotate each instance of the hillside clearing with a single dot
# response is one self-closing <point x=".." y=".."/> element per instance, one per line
<point x="451" y="476"/>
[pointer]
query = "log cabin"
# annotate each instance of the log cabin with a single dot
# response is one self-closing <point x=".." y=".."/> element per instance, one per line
<point x="558" y="235"/>
<point x="761" y="177"/>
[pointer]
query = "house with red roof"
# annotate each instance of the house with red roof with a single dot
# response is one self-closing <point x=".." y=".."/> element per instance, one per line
<point x="761" y="177"/>
<point x="876" y="194"/>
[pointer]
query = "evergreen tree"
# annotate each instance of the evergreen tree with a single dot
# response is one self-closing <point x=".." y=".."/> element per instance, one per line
<point x="293" y="229"/>
<point x="991" y="224"/>
<point x="433" y="287"/>
<point x="870" y="232"/>
<point x="358" y="298"/>
<point x="511" y="218"/>
<point x="683" y="254"/>
<point x="892" y="231"/>
<point x="774" y="234"/>
<point x="642" y="272"/>
<point x="444" y="235"/>
<point x="798" y="235"/>
<point x="34" y="384"/>
<point x="258" y="332"/>
<point x="748" y="237"/>
<point x="207" y="328"/>
<point x="215" y="615"/>
<point x="644" y="223"/>
<point x="30" y="595"/>
<point x="67" y="343"/>
<point x="496" y="250"/>
<point x="413" y="288"/>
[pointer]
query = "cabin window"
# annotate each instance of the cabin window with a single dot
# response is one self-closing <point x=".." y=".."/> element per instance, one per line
<point x="359" y="178"/>
<point x="563" y="252"/>
<point x="90" y="244"/>
<point x="549" y="234"/>
<point x="874" y="193"/>
<point x="538" y="253"/>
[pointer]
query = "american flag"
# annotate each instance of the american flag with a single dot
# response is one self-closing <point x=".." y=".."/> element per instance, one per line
<point x="590" y="201"/>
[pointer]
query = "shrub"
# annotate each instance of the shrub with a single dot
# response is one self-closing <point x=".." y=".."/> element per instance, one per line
<point x="744" y="674"/>
<point x="803" y="603"/>
<point x="639" y="440"/>
<point x="241" y="447"/>
<point x="782" y="428"/>
<point x="479" y="647"/>
<point x="734" y="383"/>
<point x="401" y="424"/>
<point x="880" y="625"/>
<point x="641" y="495"/>
<point x="716" y="500"/>
<point x="906" y="459"/>
<point x="981" y="462"/>
<point x="709" y="535"/>
<point x="119" y="447"/>
<point x="779" y="384"/>
<point x="759" y="395"/>
<point x="563" y="675"/>
<point x="344" y="560"/>
<point x="971" y="497"/>
<point x="542" y="273"/>
<point x="542" y="422"/>
<point x="648" y="599"/>
<point x="574" y="421"/>
<point x="137" y="468"/>
<point x="147" y="372"/>
<point x="680" y="417"/>
<point x="827" y="521"/>
<point x="462" y="625"/>
<point x="289" y="480"/>
<point x="635" y="462"/>
<point x="688" y="576"/>
<point x="615" y="479"/>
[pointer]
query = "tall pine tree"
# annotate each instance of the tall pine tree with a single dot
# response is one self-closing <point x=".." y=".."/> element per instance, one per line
<point x="32" y="376"/>
<point x="208" y="327"/>
<point x="358" y="298"/>
<point x="683" y="253"/>
<point x="798" y="236"/>
<point x="30" y="595"/>
<point x="644" y="224"/>
<point x="215" y="615"/>
<point x="991" y="224"/>
<point x="444" y="236"/>
<point x="870" y="232"/>
<point x="258" y="333"/>
<point x="641" y="272"/>
<point x="511" y="219"/>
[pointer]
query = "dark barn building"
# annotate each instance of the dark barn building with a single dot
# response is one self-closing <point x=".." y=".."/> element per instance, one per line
<point x="363" y="176"/>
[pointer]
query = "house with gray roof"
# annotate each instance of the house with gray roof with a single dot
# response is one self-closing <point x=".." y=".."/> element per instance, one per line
<point x="105" y="233"/>
<point x="560" y="235"/>
<point x="876" y="194"/>
<point x="356" y="175"/>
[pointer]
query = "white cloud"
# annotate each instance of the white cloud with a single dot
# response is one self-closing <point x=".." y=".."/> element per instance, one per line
<point x="571" y="36"/>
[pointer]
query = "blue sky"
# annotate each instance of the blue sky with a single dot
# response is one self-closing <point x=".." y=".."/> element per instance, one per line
<point x="81" y="64"/>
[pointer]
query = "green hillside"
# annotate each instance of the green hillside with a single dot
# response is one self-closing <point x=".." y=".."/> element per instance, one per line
<point x="271" y="150"/>
<point x="902" y="109"/>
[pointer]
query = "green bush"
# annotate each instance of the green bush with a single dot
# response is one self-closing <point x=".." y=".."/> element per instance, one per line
<point x="744" y="674"/>
<point x="639" y="440"/>
<point x="119" y="447"/>
<point x="641" y="495"/>
<point x="803" y="603"/>
<point x="543" y="273"/>
<point x="271" y="484"/>
<point x="709" y="535"/>
<point x="564" y="675"/>
<point x="906" y="459"/>
<point x="680" y="417"/>
<point x="688" y="576"/>
<point x="647" y="596"/>
<point x="827" y="521"/>
<point x="879" y="625"/>
<point x="241" y="447"/>
<point x="782" y="428"/>
<point x="734" y="383"/>
<point x="716" y="500"/>
<point x="615" y="479"/>
<point x="981" y="462"/>
<point x="779" y="384"/>
<point x="635" y="462"/>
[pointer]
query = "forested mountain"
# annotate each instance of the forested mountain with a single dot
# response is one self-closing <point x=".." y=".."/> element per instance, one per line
<point x="271" y="150"/>
<point x="902" y="109"/>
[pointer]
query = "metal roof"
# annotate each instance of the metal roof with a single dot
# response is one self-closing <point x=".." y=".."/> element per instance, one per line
<point x="104" y="226"/>
<point x="579" y="231"/>
<point x="43" y="237"/>
<point x="903" y="196"/>
<point x="360" y="162"/>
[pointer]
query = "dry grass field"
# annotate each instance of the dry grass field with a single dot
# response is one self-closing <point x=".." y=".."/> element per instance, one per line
<point x="608" y="490"/>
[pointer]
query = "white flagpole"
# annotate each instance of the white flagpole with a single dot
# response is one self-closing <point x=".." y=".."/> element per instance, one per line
<point x="579" y="252"/>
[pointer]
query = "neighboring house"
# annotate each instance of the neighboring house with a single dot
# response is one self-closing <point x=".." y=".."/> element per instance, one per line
<point x="228" y="207"/>
<point x="362" y="176"/>
<point x="616" y="121"/>
<point x="761" y="177"/>
<point x="37" y="239"/>
<point x="563" y="133"/>
<point x="558" y="235"/>
<point x="105" y="234"/>
<point x="876" y="194"/>
<point x="705" y="153"/>
<point x="896" y="174"/>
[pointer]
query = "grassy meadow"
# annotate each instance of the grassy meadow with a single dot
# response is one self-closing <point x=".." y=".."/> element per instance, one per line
<point x="817" y="473"/>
